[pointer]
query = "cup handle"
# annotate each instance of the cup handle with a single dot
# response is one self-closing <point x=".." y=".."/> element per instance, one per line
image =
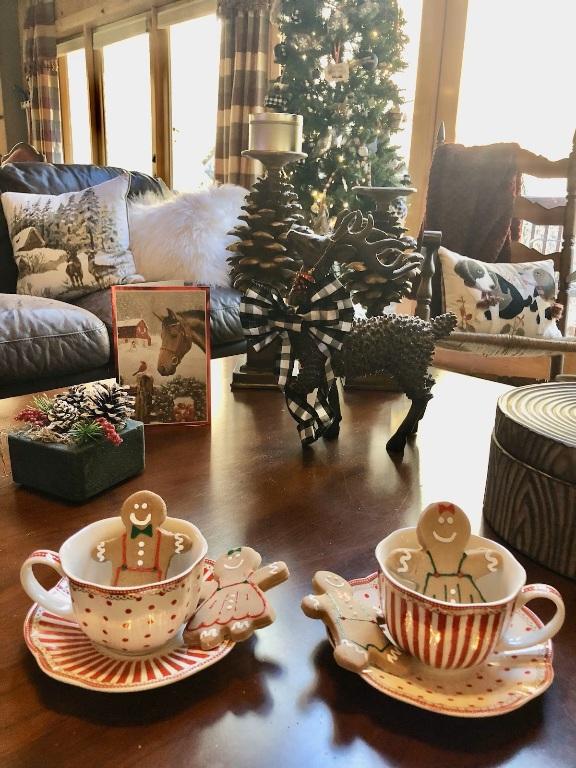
<point x="55" y="602"/>
<point x="508" y="642"/>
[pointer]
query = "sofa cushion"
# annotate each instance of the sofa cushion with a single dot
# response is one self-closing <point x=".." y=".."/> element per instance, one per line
<point x="43" y="337"/>
<point x="49" y="179"/>
<point x="68" y="245"/>
<point x="225" y="326"/>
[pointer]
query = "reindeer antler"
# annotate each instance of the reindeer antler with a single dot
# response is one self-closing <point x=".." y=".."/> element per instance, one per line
<point x="353" y="231"/>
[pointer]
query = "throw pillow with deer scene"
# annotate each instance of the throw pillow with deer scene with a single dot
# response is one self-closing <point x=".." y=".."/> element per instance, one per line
<point x="517" y="299"/>
<point x="68" y="245"/>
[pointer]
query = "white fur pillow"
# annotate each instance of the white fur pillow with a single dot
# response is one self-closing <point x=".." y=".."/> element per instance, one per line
<point x="184" y="236"/>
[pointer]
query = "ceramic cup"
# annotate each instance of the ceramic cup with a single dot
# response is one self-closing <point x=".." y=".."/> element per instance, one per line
<point x="134" y="620"/>
<point x="451" y="636"/>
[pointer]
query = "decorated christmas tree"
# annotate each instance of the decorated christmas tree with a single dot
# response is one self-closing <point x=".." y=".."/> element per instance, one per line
<point x="338" y="60"/>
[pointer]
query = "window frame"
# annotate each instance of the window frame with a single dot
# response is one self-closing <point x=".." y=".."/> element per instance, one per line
<point x="159" y="46"/>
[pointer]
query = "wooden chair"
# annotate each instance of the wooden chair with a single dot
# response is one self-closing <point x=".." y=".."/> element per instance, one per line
<point x="564" y="263"/>
<point x="22" y="152"/>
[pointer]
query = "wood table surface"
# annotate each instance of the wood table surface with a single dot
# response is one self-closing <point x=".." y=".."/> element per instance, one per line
<point x="279" y="699"/>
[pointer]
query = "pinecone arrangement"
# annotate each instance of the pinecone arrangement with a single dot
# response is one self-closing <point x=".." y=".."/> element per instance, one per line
<point x="82" y="414"/>
<point x="261" y="254"/>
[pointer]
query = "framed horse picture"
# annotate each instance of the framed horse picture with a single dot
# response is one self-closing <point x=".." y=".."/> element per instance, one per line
<point x="162" y="346"/>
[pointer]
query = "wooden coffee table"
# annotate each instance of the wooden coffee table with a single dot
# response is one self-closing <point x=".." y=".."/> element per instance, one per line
<point x="279" y="699"/>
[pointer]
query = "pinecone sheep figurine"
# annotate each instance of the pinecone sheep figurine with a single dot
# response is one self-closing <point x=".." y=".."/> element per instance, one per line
<point x="261" y="254"/>
<point x="111" y="402"/>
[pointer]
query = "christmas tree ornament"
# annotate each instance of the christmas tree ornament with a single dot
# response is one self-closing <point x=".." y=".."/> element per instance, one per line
<point x="276" y="100"/>
<point x="323" y="143"/>
<point x="368" y="60"/>
<point x="281" y="53"/>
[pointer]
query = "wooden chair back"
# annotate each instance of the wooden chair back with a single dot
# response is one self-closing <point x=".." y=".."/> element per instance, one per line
<point x="527" y="210"/>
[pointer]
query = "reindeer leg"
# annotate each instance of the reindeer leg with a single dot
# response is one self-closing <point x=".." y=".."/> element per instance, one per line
<point x="332" y="432"/>
<point x="409" y="426"/>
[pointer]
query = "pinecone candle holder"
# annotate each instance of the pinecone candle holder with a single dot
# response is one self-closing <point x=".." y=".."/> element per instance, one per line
<point x="271" y="210"/>
<point x="261" y="255"/>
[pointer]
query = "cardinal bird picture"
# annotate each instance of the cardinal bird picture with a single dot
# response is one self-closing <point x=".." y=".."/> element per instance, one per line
<point x="141" y="369"/>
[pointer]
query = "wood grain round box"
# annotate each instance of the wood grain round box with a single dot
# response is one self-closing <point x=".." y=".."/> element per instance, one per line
<point x="530" y="497"/>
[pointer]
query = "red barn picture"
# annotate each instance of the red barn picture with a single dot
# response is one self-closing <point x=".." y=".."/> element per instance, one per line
<point x="132" y="331"/>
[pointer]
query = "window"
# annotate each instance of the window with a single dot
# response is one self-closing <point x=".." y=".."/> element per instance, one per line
<point x="194" y="61"/>
<point x="517" y="58"/>
<point x="406" y="80"/>
<point x="127" y="103"/>
<point x="75" y="103"/>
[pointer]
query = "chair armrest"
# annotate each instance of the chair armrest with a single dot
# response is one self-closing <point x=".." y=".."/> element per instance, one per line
<point x="431" y="241"/>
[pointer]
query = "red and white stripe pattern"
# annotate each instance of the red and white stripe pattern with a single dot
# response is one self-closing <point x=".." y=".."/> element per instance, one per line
<point x="456" y="638"/>
<point x="63" y="651"/>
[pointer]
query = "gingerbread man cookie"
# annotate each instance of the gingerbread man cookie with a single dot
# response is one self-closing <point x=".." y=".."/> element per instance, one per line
<point x="353" y="625"/>
<point x="143" y="553"/>
<point x="442" y="567"/>
<point x="234" y="605"/>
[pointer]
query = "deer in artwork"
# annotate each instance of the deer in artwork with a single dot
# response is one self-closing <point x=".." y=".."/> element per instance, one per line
<point x="318" y="310"/>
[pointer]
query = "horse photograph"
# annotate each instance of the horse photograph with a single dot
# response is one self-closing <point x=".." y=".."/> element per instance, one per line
<point x="162" y="343"/>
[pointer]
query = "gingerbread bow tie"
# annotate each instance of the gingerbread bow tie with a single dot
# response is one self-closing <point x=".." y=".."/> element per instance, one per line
<point x="147" y="531"/>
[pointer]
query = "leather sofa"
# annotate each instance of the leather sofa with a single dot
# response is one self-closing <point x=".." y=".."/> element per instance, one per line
<point x="46" y="343"/>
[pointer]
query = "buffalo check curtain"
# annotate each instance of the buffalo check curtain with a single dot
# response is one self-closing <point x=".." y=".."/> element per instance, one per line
<point x="41" y="71"/>
<point x="242" y="85"/>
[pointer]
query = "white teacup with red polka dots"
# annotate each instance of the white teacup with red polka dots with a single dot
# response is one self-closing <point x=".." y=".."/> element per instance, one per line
<point x="134" y="620"/>
<point x="448" y="635"/>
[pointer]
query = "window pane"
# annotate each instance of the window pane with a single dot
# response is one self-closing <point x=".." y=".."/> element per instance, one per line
<point x="518" y="59"/>
<point x="79" y="107"/>
<point x="406" y="80"/>
<point x="194" y="61"/>
<point x="127" y="104"/>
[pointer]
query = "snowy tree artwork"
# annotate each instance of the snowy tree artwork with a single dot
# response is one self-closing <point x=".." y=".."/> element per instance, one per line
<point x="69" y="245"/>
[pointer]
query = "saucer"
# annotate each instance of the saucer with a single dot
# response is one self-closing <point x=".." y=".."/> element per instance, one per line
<point x="64" y="652"/>
<point x="503" y="683"/>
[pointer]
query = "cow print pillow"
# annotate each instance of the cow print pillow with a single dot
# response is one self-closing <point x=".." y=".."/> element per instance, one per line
<point x="69" y="245"/>
<point x="516" y="299"/>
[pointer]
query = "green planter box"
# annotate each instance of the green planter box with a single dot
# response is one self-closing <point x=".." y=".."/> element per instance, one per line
<point x="77" y="473"/>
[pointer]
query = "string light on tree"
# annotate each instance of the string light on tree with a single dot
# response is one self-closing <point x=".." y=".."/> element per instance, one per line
<point x="338" y="59"/>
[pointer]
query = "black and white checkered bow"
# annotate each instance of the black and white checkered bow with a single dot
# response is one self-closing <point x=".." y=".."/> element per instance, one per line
<point x="265" y="316"/>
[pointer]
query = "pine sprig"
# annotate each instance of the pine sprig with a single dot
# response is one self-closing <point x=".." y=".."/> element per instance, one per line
<point x="43" y="403"/>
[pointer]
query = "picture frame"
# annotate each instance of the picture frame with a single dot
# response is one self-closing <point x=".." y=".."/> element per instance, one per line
<point x="162" y="351"/>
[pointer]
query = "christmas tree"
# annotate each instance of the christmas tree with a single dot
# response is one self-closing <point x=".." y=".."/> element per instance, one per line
<point x="338" y="59"/>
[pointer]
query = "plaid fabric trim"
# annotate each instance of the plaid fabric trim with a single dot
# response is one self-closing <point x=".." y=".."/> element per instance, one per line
<point x="265" y="316"/>
<point x="242" y="87"/>
<point x="41" y="69"/>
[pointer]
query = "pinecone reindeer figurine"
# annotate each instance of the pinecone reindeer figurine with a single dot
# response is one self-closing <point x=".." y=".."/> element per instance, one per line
<point x="316" y="326"/>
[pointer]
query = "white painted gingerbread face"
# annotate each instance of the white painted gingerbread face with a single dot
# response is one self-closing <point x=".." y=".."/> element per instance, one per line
<point x="240" y="562"/>
<point x="142" y="509"/>
<point x="326" y="581"/>
<point x="443" y="525"/>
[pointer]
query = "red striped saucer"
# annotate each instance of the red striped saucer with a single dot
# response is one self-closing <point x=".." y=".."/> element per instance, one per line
<point x="505" y="682"/>
<point x="64" y="652"/>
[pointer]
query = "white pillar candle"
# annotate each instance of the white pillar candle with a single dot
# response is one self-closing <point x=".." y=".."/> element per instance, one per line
<point x="275" y="131"/>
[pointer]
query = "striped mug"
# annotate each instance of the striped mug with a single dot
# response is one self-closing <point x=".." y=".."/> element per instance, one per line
<point x="449" y="636"/>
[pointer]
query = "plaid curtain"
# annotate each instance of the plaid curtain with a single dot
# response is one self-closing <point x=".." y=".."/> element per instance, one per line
<point x="41" y="71"/>
<point x="242" y="85"/>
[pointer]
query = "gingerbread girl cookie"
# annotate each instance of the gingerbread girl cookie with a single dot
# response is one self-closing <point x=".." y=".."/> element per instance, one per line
<point x="234" y="605"/>
<point x="143" y="553"/>
<point x="442" y="567"/>
<point x="353" y="625"/>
